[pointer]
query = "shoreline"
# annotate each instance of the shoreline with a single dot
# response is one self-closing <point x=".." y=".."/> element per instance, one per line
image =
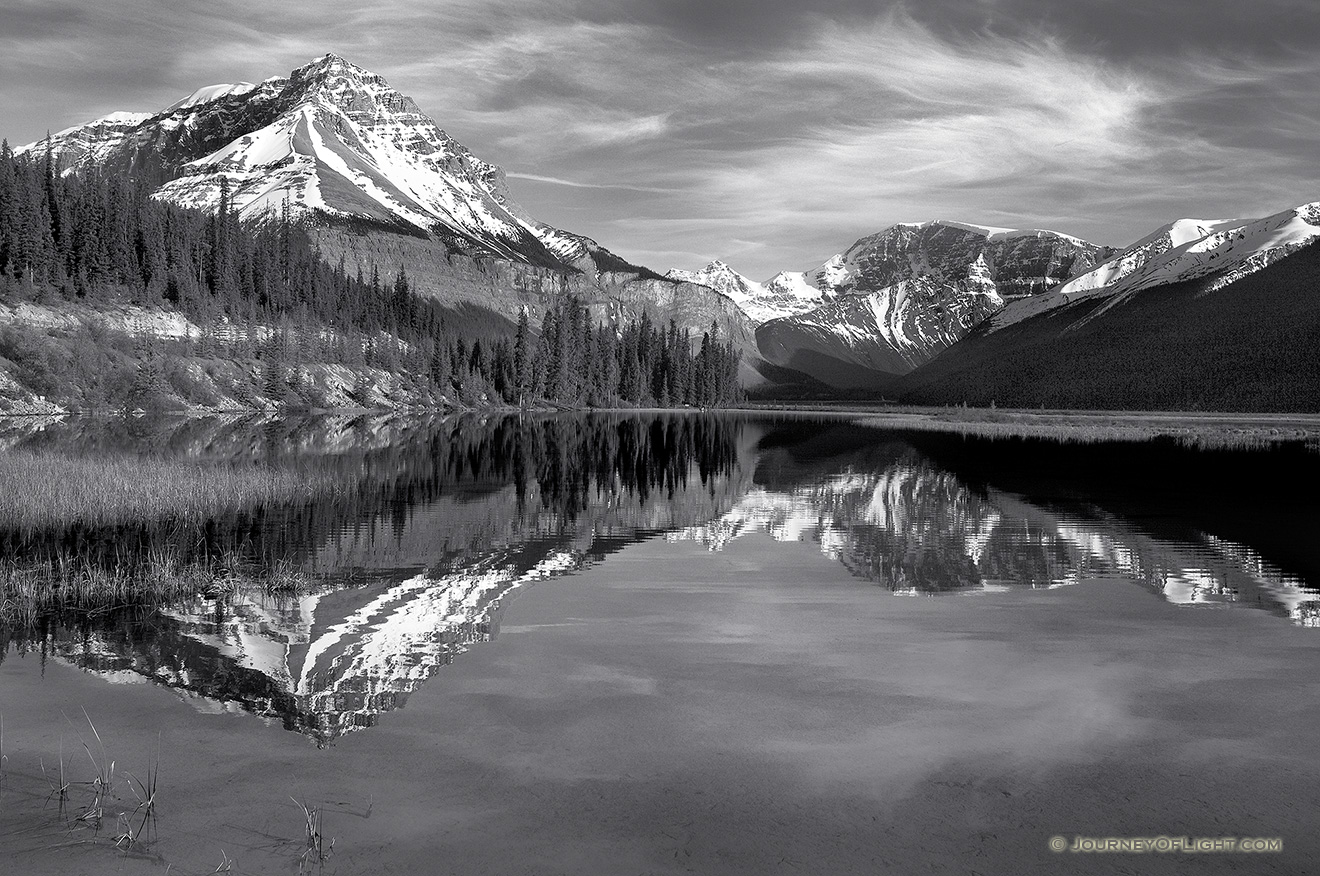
<point x="1201" y="428"/>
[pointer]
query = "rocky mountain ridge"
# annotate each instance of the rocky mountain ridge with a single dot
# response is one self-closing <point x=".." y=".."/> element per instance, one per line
<point x="1218" y="251"/>
<point x="379" y="183"/>
<point x="895" y="299"/>
<point x="777" y="297"/>
<point x="382" y="184"/>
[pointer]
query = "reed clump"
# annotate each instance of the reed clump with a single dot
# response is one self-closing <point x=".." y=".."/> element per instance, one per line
<point x="42" y="490"/>
<point x="69" y="583"/>
<point x="317" y="851"/>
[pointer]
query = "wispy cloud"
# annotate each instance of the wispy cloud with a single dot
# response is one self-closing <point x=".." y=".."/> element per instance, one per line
<point x="762" y="131"/>
<point x="554" y="180"/>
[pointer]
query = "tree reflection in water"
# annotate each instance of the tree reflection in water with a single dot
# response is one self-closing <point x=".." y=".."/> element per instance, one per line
<point x="406" y="562"/>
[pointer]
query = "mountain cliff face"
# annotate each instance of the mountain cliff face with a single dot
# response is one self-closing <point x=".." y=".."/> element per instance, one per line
<point x="380" y="183"/>
<point x="1011" y="263"/>
<point x="895" y="299"/>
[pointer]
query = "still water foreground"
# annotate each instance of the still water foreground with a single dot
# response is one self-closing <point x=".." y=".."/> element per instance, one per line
<point x="670" y="645"/>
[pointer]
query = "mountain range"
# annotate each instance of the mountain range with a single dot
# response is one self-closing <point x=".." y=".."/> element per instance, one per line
<point x="381" y="184"/>
<point x="896" y="300"/>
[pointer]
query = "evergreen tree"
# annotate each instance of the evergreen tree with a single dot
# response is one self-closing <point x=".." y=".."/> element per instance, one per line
<point x="522" y="359"/>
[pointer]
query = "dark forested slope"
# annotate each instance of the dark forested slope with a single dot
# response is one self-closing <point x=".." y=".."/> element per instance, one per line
<point x="110" y="299"/>
<point x="1253" y="345"/>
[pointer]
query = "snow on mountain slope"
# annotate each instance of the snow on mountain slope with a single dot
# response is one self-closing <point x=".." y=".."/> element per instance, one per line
<point x="1231" y="252"/>
<point x="87" y="143"/>
<point x="887" y="332"/>
<point x="381" y="185"/>
<point x="330" y="139"/>
<point x="781" y="296"/>
<point x="210" y="93"/>
<point x="837" y="274"/>
<point x="794" y="284"/>
<point x="350" y="145"/>
<point x="723" y="279"/>
<point x="1221" y="250"/>
<point x="893" y="300"/>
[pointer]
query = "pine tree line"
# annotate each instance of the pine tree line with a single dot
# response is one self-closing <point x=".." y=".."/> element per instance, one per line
<point x="102" y="240"/>
<point x="576" y="363"/>
<point x="264" y="291"/>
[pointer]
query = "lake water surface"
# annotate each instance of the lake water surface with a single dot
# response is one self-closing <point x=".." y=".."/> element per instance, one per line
<point x="668" y="644"/>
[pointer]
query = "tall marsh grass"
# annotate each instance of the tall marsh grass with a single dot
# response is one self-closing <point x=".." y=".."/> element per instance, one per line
<point x="41" y="490"/>
<point x="69" y="583"/>
<point x="1200" y="432"/>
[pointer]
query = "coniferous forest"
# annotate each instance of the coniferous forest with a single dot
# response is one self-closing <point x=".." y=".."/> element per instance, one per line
<point x="270" y="322"/>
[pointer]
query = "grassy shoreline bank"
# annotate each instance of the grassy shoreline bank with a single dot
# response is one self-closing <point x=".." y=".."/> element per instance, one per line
<point x="1239" y="431"/>
<point x="1194" y="428"/>
<point x="1197" y="428"/>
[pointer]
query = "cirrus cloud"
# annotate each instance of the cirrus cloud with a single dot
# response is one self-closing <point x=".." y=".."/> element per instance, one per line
<point x="759" y="131"/>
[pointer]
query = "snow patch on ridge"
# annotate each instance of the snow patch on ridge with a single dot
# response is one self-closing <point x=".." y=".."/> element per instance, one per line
<point x="331" y="138"/>
<point x="210" y="93"/>
<point x="1223" y="250"/>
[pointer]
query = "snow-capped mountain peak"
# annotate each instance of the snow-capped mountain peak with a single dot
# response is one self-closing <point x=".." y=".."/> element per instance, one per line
<point x="784" y="295"/>
<point x="330" y="139"/>
<point x="1217" y="250"/>
<point x="994" y="233"/>
<point x="894" y="299"/>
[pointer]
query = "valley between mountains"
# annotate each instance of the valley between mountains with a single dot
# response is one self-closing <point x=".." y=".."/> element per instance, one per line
<point x="1198" y="314"/>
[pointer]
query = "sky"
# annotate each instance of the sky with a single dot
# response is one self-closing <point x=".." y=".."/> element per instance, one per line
<point x="770" y="134"/>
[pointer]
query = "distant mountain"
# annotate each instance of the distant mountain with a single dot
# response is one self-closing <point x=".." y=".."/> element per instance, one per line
<point x="895" y="299"/>
<point x="1220" y="250"/>
<point x="781" y="296"/>
<point x="1223" y="340"/>
<point x="381" y="184"/>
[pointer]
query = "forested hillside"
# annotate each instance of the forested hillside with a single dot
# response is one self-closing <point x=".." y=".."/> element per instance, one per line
<point x="109" y="299"/>
<point x="1249" y="346"/>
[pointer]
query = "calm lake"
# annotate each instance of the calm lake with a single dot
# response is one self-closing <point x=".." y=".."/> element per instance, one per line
<point x="661" y="644"/>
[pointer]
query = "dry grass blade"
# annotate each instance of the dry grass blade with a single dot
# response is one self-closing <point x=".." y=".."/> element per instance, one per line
<point x="59" y="791"/>
<point x="103" y="782"/>
<point x="145" y="791"/>
<point x="125" y="838"/>
<point x="313" y="822"/>
<point x="105" y="768"/>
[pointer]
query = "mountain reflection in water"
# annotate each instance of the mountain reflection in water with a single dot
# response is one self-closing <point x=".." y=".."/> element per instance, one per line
<point x="439" y="521"/>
